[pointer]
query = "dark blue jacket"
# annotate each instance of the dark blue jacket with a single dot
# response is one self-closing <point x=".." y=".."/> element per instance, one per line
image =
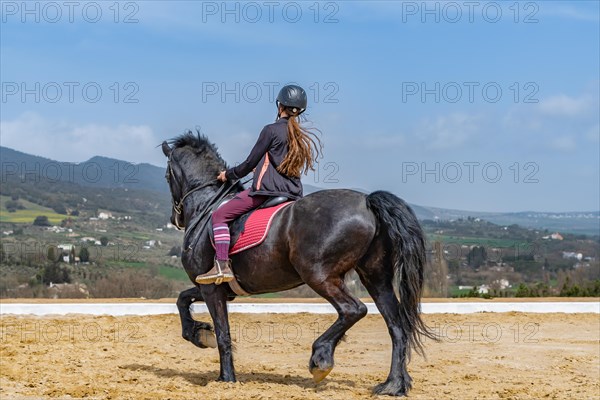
<point x="266" y="155"/>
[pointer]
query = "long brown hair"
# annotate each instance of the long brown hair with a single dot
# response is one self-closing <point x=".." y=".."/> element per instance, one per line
<point x="304" y="147"/>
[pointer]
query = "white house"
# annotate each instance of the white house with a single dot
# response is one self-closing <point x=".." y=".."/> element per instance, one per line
<point x="572" y="254"/>
<point x="104" y="215"/>
<point x="502" y="283"/>
<point x="90" y="239"/>
<point x="554" y="236"/>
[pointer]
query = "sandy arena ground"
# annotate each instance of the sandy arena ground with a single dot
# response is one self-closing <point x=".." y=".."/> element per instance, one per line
<point x="482" y="356"/>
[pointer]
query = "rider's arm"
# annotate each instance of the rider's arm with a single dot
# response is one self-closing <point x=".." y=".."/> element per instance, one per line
<point x="258" y="151"/>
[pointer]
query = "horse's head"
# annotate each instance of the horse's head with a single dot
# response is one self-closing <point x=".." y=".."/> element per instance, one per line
<point x="192" y="163"/>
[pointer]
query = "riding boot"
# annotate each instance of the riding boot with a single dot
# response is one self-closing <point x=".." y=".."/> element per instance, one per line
<point x="220" y="272"/>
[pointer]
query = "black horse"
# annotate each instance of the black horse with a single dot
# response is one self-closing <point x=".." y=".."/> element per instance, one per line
<point x="315" y="241"/>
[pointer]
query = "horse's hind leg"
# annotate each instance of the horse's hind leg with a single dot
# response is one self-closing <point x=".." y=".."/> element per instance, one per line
<point x="377" y="277"/>
<point x="199" y="333"/>
<point x="350" y="310"/>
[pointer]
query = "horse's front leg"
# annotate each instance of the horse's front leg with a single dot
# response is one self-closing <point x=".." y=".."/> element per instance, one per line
<point x="216" y="300"/>
<point x="199" y="333"/>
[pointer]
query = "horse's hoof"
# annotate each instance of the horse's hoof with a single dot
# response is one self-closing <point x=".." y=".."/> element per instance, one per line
<point x="320" y="374"/>
<point x="207" y="338"/>
<point x="390" y="389"/>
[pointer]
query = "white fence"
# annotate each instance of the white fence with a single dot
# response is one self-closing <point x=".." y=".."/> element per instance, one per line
<point x="118" y="309"/>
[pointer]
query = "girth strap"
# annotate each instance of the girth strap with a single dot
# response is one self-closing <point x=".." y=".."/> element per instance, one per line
<point x="237" y="289"/>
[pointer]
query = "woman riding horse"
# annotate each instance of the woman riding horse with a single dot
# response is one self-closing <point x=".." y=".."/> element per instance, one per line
<point x="284" y="150"/>
<point x="316" y="241"/>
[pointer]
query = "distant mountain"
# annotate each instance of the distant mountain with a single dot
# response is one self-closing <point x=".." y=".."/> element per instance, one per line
<point x="117" y="175"/>
<point x="95" y="172"/>
<point x="574" y="222"/>
<point x="97" y="184"/>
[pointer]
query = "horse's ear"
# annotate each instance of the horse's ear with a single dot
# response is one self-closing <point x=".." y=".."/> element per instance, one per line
<point x="166" y="148"/>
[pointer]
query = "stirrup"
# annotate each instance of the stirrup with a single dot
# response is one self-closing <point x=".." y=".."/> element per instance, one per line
<point x="216" y="274"/>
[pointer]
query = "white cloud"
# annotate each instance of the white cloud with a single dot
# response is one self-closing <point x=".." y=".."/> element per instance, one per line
<point x="548" y="121"/>
<point x="448" y="131"/>
<point x="563" y="143"/>
<point x="67" y="141"/>
<point x="563" y="105"/>
<point x="518" y="119"/>
<point x="375" y="141"/>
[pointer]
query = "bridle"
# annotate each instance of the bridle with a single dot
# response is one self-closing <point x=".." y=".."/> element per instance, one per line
<point x="178" y="204"/>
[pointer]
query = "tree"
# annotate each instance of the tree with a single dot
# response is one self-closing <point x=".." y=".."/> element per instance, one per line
<point x="41" y="220"/>
<point x="522" y="290"/>
<point x="175" y="251"/>
<point x="436" y="272"/>
<point x="12" y="206"/>
<point x="59" y="209"/>
<point x="51" y="254"/>
<point x="84" y="254"/>
<point x="454" y="268"/>
<point x="477" y="256"/>
<point x="104" y="241"/>
<point x="56" y="274"/>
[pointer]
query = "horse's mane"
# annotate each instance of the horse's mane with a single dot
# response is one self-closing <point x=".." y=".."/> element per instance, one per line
<point x="199" y="144"/>
<point x="196" y="141"/>
<point x="208" y="161"/>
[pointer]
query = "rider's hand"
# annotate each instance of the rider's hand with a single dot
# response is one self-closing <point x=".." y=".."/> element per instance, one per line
<point x="222" y="176"/>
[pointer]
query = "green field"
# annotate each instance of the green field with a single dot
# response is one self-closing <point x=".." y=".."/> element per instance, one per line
<point x="123" y="234"/>
<point x="166" y="271"/>
<point x="28" y="215"/>
<point x="176" y="274"/>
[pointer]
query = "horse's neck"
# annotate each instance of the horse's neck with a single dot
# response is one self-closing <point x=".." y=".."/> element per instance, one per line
<point x="197" y="202"/>
<point x="202" y="199"/>
<point x="197" y="217"/>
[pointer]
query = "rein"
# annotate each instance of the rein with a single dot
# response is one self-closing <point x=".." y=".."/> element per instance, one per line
<point x="178" y="207"/>
<point x="205" y="213"/>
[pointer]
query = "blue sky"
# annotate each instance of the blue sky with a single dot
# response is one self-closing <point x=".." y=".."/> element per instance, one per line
<point x="487" y="106"/>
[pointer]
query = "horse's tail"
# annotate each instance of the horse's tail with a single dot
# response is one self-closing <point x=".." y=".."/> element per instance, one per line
<point x="398" y="221"/>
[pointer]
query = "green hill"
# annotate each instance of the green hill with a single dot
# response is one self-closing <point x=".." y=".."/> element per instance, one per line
<point x="28" y="213"/>
<point x="96" y="172"/>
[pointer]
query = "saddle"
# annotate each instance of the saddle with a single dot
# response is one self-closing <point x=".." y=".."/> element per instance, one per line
<point x="250" y="229"/>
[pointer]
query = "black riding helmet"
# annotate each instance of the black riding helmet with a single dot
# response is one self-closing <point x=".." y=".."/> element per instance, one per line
<point x="292" y="97"/>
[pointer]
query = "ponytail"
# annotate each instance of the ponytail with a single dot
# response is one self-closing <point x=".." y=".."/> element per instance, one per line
<point x="304" y="147"/>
